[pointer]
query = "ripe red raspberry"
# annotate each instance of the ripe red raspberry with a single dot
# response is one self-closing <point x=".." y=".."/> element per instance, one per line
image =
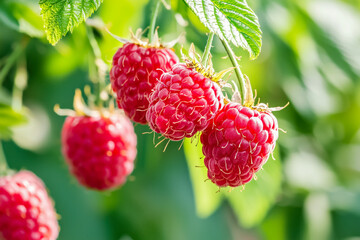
<point x="237" y="143"/>
<point x="100" y="151"/>
<point x="26" y="211"/>
<point x="136" y="69"/>
<point x="183" y="103"/>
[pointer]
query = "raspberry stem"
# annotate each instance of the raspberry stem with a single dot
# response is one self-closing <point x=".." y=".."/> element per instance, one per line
<point x="153" y="21"/>
<point x="3" y="164"/>
<point x="93" y="42"/>
<point x="97" y="67"/>
<point x="20" y="83"/>
<point x="208" y="46"/>
<point x="239" y="75"/>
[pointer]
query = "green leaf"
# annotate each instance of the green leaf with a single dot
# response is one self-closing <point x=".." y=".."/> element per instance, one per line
<point x="231" y="20"/>
<point x="22" y="17"/>
<point x="328" y="45"/>
<point x="8" y="119"/>
<point x="5" y="97"/>
<point x="7" y="18"/>
<point x="207" y="197"/>
<point x="62" y="16"/>
<point x="252" y="204"/>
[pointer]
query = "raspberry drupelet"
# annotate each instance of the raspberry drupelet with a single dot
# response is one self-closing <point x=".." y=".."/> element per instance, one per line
<point x="237" y="143"/>
<point x="183" y="103"/>
<point x="135" y="71"/>
<point x="100" y="150"/>
<point x="26" y="210"/>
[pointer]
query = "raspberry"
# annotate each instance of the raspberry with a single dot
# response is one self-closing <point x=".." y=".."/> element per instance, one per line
<point x="237" y="143"/>
<point x="100" y="151"/>
<point x="26" y="211"/>
<point x="136" y="69"/>
<point x="183" y="103"/>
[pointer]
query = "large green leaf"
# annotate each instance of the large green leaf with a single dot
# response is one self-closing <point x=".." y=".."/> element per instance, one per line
<point x="21" y="16"/>
<point x="7" y="18"/>
<point x="324" y="41"/>
<point x="231" y="20"/>
<point x="5" y="97"/>
<point x="62" y="16"/>
<point x="207" y="197"/>
<point x="8" y="119"/>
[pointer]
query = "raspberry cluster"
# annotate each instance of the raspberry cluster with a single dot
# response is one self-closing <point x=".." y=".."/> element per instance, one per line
<point x="100" y="151"/>
<point x="183" y="103"/>
<point x="135" y="71"/>
<point x="237" y="143"/>
<point x="184" y="99"/>
<point x="177" y="100"/>
<point x="26" y="211"/>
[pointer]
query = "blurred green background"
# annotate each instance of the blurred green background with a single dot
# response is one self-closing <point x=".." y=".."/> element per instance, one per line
<point x="310" y="57"/>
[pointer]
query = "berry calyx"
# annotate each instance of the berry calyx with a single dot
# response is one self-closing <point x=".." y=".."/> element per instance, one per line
<point x="136" y="68"/>
<point x="26" y="210"/>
